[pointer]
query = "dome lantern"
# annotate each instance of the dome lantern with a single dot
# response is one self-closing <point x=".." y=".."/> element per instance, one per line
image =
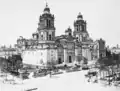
<point x="79" y="16"/>
<point x="47" y="9"/>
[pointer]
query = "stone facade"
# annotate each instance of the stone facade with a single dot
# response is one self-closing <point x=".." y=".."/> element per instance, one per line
<point x="45" y="47"/>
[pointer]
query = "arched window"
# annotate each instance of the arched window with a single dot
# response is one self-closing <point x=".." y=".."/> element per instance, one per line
<point x="50" y="38"/>
<point x="47" y="35"/>
<point x="49" y="23"/>
<point x="80" y="28"/>
<point x="80" y="37"/>
<point x="41" y="37"/>
<point x="70" y="59"/>
<point x="83" y="38"/>
<point x="45" y="23"/>
<point x="59" y="61"/>
<point x="77" y="38"/>
<point x="69" y="34"/>
<point x="53" y="35"/>
<point x="77" y="27"/>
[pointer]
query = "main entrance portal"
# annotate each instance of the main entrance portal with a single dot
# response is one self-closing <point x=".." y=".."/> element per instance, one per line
<point x="59" y="61"/>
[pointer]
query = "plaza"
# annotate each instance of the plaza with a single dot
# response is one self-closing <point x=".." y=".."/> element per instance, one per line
<point x="73" y="81"/>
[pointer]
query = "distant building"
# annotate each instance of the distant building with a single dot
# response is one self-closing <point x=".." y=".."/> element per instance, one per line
<point x="5" y="52"/>
<point x="99" y="49"/>
<point x="115" y="50"/>
<point x="45" y="47"/>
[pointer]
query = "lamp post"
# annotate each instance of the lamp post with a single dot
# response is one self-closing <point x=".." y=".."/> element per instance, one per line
<point x="6" y="68"/>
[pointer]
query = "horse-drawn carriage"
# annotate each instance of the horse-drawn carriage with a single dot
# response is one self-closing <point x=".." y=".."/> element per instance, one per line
<point x="94" y="73"/>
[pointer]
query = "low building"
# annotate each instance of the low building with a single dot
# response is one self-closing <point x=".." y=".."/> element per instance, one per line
<point x="5" y="52"/>
<point x="115" y="50"/>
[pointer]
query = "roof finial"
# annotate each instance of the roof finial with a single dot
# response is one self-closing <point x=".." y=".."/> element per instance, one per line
<point x="46" y="9"/>
<point x="46" y="3"/>
<point x="79" y="13"/>
<point x="80" y="16"/>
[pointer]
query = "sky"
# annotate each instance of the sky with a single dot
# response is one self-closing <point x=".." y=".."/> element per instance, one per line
<point x="20" y="18"/>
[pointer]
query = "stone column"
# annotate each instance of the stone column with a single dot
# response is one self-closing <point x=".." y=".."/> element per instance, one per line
<point x="45" y="36"/>
<point x="89" y="54"/>
<point x="76" y="54"/>
<point x="65" y="55"/>
<point x="56" y="54"/>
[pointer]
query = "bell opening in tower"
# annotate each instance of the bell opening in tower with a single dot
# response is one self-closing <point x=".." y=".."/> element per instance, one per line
<point x="46" y="20"/>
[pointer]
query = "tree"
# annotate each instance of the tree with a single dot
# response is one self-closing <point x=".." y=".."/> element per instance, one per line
<point x="108" y="63"/>
<point x="15" y="62"/>
<point x="108" y="53"/>
<point x="116" y="60"/>
<point x="3" y="64"/>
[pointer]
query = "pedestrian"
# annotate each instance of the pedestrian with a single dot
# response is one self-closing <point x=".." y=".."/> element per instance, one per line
<point x="89" y="78"/>
<point x="96" y="78"/>
<point x="50" y="73"/>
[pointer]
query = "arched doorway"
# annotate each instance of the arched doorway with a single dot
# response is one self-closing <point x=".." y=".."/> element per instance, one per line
<point x="70" y="59"/>
<point x="59" y="61"/>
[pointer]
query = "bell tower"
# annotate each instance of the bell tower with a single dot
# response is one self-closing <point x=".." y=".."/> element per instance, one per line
<point x="46" y="27"/>
<point x="68" y="32"/>
<point x="80" y="30"/>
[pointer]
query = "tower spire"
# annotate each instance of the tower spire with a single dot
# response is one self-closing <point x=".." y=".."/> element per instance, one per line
<point x="47" y="9"/>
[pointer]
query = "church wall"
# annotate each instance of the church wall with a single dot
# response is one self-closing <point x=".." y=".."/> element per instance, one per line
<point x="65" y="56"/>
<point x="72" y="54"/>
<point x="78" y="54"/>
<point x="89" y="54"/>
<point x="60" y="55"/>
<point x="83" y="52"/>
<point x="86" y="53"/>
<point x="52" y="55"/>
<point x="36" y="57"/>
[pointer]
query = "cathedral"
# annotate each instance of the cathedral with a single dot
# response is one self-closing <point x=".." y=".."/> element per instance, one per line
<point x="46" y="48"/>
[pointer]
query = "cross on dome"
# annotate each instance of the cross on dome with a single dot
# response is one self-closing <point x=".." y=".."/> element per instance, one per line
<point x="46" y="5"/>
<point x="80" y="13"/>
